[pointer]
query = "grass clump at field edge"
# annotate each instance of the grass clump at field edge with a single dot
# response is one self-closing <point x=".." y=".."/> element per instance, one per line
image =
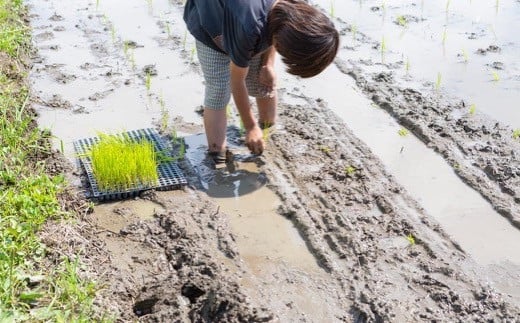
<point x="120" y="163"/>
<point x="28" y="198"/>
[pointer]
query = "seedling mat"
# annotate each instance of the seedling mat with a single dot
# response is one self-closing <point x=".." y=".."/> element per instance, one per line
<point x="170" y="176"/>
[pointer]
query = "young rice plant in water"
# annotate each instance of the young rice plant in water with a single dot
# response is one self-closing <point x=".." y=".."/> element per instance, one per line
<point x="120" y="163"/>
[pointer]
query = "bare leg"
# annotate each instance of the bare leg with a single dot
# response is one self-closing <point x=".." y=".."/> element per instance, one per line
<point x="215" y="124"/>
<point x="267" y="110"/>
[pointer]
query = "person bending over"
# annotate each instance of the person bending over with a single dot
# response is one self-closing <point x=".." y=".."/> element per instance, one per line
<point x="236" y="42"/>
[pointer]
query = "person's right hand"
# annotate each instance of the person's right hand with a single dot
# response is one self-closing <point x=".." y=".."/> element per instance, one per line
<point x="254" y="140"/>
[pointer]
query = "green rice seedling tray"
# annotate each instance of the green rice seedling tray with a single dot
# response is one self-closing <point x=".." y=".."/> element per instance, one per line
<point x="169" y="173"/>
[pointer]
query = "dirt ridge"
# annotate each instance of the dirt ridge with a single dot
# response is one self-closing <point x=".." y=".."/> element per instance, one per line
<point x="481" y="151"/>
<point x="350" y="217"/>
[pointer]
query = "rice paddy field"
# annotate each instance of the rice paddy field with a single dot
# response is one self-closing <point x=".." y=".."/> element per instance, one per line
<point x="389" y="190"/>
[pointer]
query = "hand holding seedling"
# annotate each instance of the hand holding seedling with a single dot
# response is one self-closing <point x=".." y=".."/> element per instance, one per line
<point x="254" y="140"/>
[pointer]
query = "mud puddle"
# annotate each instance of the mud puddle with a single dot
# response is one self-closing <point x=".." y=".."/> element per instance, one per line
<point x="469" y="47"/>
<point x="114" y="216"/>
<point x="282" y="269"/>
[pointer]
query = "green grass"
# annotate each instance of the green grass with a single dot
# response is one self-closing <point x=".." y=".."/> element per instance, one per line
<point x="30" y="292"/>
<point x="516" y="134"/>
<point x="120" y="163"/>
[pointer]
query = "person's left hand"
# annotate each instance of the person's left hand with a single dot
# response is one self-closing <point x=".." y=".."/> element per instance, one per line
<point x="254" y="140"/>
<point x="267" y="78"/>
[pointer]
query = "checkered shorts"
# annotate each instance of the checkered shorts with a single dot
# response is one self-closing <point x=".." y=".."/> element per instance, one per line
<point x="215" y="67"/>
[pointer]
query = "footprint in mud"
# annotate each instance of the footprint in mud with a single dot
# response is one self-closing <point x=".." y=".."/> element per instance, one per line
<point x="56" y="101"/>
<point x="100" y="95"/>
<point x="56" y="17"/>
<point x="43" y="36"/>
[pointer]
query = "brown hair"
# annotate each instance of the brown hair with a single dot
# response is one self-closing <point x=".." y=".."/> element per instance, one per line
<point x="304" y="37"/>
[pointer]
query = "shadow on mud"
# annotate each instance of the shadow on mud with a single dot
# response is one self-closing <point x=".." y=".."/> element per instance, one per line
<point x="238" y="177"/>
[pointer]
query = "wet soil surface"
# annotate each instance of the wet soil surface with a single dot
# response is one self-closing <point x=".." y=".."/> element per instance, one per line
<point x="369" y="250"/>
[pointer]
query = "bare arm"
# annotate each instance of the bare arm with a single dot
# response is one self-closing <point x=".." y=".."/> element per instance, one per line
<point x="254" y="139"/>
<point x="267" y="76"/>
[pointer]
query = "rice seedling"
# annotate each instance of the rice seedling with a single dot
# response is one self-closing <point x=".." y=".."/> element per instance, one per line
<point x="332" y="13"/>
<point x="184" y="40"/>
<point x="383" y="49"/>
<point x="62" y="149"/>
<point x="516" y="134"/>
<point x="113" y="33"/>
<point x="168" y="30"/>
<point x="175" y="137"/>
<point x="265" y="131"/>
<point x="182" y="150"/>
<point x="164" y="114"/>
<point x="447" y="6"/>
<point x="325" y="149"/>
<point x="438" y="82"/>
<point x="472" y="109"/>
<point x="465" y="55"/>
<point x="192" y="55"/>
<point x="132" y="59"/>
<point x="97" y="4"/>
<point x="402" y="132"/>
<point x="495" y="75"/>
<point x="407" y="65"/>
<point x="401" y="21"/>
<point x="353" y="29"/>
<point x="125" y="48"/>
<point x="350" y="170"/>
<point x="148" y="81"/>
<point x="106" y="21"/>
<point x="120" y="163"/>
<point x="444" y="37"/>
<point x="410" y="239"/>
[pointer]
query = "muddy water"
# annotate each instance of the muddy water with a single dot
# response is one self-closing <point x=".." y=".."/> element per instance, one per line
<point x="442" y="37"/>
<point x="269" y="244"/>
<point x="117" y="215"/>
<point x="87" y="81"/>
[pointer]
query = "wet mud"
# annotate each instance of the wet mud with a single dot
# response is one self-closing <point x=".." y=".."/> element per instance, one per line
<point x="314" y="230"/>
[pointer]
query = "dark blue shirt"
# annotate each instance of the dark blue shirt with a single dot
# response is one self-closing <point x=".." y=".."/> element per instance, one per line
<point x="237" y="28"/>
